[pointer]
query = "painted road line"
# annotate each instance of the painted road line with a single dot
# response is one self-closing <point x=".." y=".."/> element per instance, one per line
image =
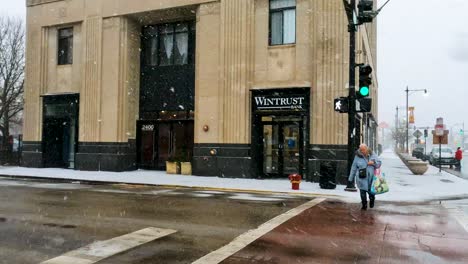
<point x="103" y="249"/>
<point x="250" y="236"/>
<point x="457" y="213"/>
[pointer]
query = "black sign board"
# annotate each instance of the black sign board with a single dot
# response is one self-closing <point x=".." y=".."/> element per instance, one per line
<point x="280" y="102"/>
<point x="341" y="105"/>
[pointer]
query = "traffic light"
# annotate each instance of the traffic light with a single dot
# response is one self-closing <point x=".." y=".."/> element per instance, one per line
<point x="365" y="80"/>
<point x="364" y="105"/>
<point x="366" y="11"/>
<point x="462" y="132"/>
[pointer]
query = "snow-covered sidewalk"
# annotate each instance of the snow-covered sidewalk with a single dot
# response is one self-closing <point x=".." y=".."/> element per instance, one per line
<point x="404" y="186"/>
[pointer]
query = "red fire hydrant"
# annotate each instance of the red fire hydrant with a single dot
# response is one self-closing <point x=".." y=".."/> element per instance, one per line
<point x="295" y="180"/>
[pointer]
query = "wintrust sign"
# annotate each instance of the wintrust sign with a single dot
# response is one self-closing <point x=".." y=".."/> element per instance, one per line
<point x="279" y="103"/>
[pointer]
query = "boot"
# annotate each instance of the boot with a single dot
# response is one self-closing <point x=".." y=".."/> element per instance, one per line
<point x="372" y="202"/>
<point x="364" y="200"/>
<point x="364" y="206"/>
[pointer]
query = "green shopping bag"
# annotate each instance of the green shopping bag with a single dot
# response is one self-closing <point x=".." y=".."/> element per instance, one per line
<point x="379" y="184"/>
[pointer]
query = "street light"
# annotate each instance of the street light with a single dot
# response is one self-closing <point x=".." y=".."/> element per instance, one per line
<point x="407" y="112"/>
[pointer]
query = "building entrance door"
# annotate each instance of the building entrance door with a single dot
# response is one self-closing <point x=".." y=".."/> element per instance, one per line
<point x="283" y="151"/>
<point x="60" y="131"/>
<point x="161" y="141"/>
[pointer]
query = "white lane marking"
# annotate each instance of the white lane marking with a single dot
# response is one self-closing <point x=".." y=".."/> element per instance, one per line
<point x="250" y="236"/>
<point x="211" y="192"/>
<point x="103" y="249"/>
<point x="201" y="195"/>
<point x="250" y="197"/>
<point x="457" y="213"/>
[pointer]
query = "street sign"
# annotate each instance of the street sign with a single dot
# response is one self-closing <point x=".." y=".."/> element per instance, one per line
<point x="341" y="105"/>
<point x="442" y="140"/>
<point x="439" y="127"/>
<point x="417" y="134"/>
<point x="439" y="130"/>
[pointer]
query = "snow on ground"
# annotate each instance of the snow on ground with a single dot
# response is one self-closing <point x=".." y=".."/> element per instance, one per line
<point x="404" y="186"/>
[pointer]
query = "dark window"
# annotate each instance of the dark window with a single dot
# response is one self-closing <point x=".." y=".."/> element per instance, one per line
<point x="282" y="22"/>
<point x="150" y="55"/>
<point x="168" y="44"/>
<point x="65" y="46"/>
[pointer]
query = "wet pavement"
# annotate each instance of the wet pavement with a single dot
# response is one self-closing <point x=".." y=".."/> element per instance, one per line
<point x="337" y="232"/>
<point x="40" y="220"/>
<point x="43" y="220"/>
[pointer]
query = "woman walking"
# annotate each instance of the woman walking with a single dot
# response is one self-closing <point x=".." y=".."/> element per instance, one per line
<point x="364" y="164"/>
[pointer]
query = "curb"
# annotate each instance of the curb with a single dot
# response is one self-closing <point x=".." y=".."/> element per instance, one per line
<point x="66" y="180"/>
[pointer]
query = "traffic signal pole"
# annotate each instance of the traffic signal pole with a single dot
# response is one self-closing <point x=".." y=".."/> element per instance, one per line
<point x="366" y="15"/>
<point x="352" y="28"/>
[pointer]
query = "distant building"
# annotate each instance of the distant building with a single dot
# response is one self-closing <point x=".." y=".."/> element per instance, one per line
<point x="241" y="88"/>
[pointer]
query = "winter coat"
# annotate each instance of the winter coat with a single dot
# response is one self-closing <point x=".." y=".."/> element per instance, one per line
<point x="459" y="155"/>
<point x="360" y="162"/>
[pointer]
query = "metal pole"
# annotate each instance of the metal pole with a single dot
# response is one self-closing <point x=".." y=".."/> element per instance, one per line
<point x="425" y="144"/>
<point x="352" y="96"/>
<point x="440" y="154"/>
<point x="407" y="120"/>
<point x="398" y="127"/>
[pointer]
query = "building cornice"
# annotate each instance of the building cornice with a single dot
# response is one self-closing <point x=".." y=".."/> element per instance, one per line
<point x="39" y="2"/>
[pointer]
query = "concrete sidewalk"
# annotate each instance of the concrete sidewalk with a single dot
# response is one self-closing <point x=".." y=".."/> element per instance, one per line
<point x="404" y="186"/>
<point x="337" y="232"/>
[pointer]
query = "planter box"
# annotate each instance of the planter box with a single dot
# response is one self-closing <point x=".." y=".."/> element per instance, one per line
<point x="172" y="167"/>
<point x="417" y="167"/>
<point x="186" y="168"/>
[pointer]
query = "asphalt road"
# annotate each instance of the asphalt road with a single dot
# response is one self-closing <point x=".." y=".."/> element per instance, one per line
<point x="40" y="220"/>
<point x="460" y="172"/>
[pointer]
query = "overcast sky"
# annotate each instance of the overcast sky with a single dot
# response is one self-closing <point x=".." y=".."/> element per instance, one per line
<point x="422" y="44"/>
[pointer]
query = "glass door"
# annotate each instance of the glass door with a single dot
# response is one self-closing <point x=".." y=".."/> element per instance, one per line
<point x="282" y="148"/>
<point x="271" y="149"/>
<point x="161" y="141"/>
<point x="291" y="148"/>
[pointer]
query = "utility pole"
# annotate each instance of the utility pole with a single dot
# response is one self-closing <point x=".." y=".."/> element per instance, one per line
<point x="407" y="120"/>
<point x="397" y="129"/>
<point x="407" y="113"/>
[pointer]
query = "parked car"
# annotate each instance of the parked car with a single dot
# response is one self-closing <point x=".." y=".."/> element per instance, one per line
<point x="447" y="158"/>
<point x="418" y="153"/>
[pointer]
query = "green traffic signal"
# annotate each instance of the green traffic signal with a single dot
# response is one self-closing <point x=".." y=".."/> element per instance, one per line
<point x="364" y="91"/>
<point x="365" y="80"/>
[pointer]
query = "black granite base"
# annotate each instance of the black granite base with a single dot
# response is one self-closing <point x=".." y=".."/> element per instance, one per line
<point x="31" y="156"/>
<point x="321" y="156"/>
<point x="115" y="157"/>
<point x="230" y="160"/>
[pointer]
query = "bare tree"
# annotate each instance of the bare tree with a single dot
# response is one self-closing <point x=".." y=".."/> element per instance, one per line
<point x="12" y="63"/>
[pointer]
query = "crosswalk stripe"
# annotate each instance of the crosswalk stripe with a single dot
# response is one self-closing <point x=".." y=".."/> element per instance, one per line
<point x="250" y="236"/>
<point x="100" y="250"/>
<point x="458" y="214"/>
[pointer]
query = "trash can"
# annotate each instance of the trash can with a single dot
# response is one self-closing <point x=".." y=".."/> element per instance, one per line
<point x="328" y="175"/>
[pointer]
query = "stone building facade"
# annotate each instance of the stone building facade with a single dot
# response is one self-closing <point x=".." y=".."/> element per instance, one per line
<point x="240" y="88"/>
